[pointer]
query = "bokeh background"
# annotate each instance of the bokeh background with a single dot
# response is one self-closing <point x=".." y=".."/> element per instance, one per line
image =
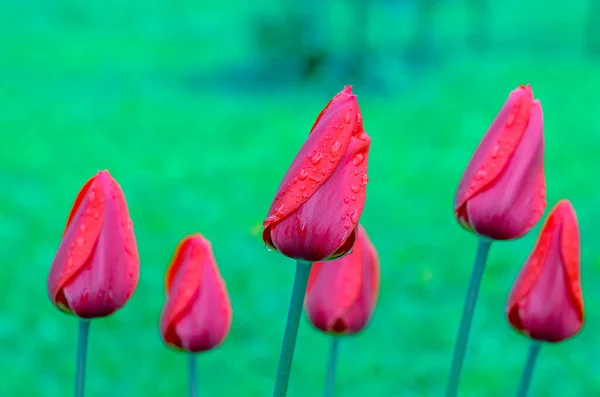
<point x="197" y="108"/>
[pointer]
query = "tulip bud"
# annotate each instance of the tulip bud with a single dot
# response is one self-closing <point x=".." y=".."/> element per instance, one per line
<point x="322" y="195"/>
<point x="502" y="194"/>
<point x="197" y="313"/>
<point x="546" y="302"/>
<point x="96" y="268"/>
<point x="341" y="294"/>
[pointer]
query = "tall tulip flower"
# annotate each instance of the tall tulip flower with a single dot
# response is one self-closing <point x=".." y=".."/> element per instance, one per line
<point x="318" y="205"/>
<point x="96" y="268"/>
<point x="341" y="295"/>
<point x="501" y="195"/>
<point x="197" y="313"/>
<point x="546" y="302"/>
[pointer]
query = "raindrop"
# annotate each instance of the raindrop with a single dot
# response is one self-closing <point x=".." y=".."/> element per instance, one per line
<point x="316" y="158"/>
<point x="510" y="120"/>
<point x="347" y="200"/>
<point x="354" y="217"/>
<point x="96" y="215"/>
<point x="302" y="188"/>
<point x="364" y="179"/>
<point x="480" y="175"/>
<point x="347" y="118"/>
<point x="303" y="174"/>
<point x="354" y="189"/>
<point x="80" y="240"/>
<point x="495" y="151"/>
<point x="304" y="195"/>
<point x="269" y="249"/>
<point x="358" y="159"/>
<point x="335" y="148"/>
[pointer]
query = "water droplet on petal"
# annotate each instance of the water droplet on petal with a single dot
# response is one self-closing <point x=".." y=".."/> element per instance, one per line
<point x="335" y="148"/>
<point x="358" y="159"/>
<point x="347" y="200"/>
<point x="79" y="241"/>
<point x="96" y="215"/>
<point x="354" y="217"/>
<point x="303" y="174"/>
<point x="495" y="151"/>
<point x="347" y="118"/>
<point x="364" y="179"/>
<point x="316" y="158"/>
<point x="304" y="195"/>
<point x="480" y="175"/>
<point x="269" y="249"/>
<point x="354" y="189"/>
<point x="510" y="120"/>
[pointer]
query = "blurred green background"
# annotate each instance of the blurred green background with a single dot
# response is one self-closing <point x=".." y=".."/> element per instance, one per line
<point x="198" y="108"/>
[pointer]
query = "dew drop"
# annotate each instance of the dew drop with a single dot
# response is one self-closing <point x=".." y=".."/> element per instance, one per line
<point x="354" y="189"/>
<point x="343" y="217"/>
<point x="364" y="179"/>
<point x="359" y="118"/>
<point x="480" y="175"/>
<point x="362" y="136"/>
<point x="355" y="171"/>
<point x="354" y="217"/>
<point x="269" y="249"/>
<point x="303" y="174"/>
<point x="85" y="296"/>
<point x="353" y="198"/>
<point x="495" y="151"/>
<point x="510" y="120"/>
<point x="302" y="188"/>
<point x="347" y="118"/>
<point x="92" y="196"/>
<point x="96" y="215"/>
<point x="304" y="195"/>
<point x="83" y="228"/>
<point x="347" y="200"/>
<point x="100" y="295"/>
<point x="358" y="159"/>
<point x="79" y="241"/>
<point x="335" y="148"/>
<point x="316" y="158"/>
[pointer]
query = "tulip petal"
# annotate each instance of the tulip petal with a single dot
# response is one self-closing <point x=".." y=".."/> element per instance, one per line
<point x="518" y="197"/>
<point x="318" y="158"/>
<point x="497" y="146"/>
<point x="208" y="321"/>
<point x="548" y="313"/>
<point x="546" y="301"/>
<point x="83" y="228"/>
<point x="110" y="274"/>
<point x="183" y="282"/>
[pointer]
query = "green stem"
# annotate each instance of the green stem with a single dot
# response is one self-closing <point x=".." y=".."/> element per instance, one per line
<point x="462" y="339"/>
<point x="193" y="372"/>
<point x="534" y="349"/>
<point x="82" y="344"/>
<point x="333" y="353"/>
<point x="291" y="329"/>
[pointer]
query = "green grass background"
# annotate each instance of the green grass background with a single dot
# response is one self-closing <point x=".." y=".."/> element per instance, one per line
<point x="93" y="85"/>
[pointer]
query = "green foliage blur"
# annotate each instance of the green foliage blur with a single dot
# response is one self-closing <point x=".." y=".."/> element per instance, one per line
<point x="195" y="109"/>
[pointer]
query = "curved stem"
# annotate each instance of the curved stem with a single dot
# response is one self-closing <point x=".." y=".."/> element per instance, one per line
<point x="462" y="339"/>
<point x="193" y="373"/>
<point x="333" y="353"/>
<point x="82" y="344"/>
<point x="534" y="349"/>
<point x="291" y="329"/>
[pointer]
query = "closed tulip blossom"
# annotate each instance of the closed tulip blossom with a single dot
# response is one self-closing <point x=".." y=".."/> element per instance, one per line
<point x="546" y="302"/>
<point x="316" y="210"/>
<point x="502" y="194"/>
<point x="197" y="313"/>
<point x="96" y="268"/>
<point x="341" y="294"/>
<point x="321" y="198"/>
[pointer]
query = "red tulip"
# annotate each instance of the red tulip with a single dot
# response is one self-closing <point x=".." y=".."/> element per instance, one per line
<point x="341" y="295"/>
<point x="546" y="302"/>
<point x="197" y="314"/>
<point x="502" y="194"/>
<point x="96" y="267"/>
<point x="322" y="195"/>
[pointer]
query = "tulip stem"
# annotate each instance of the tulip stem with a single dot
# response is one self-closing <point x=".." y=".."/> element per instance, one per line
<point x="82" y="345"/>
<point x="462" y="339"/>
<point x="333" y="353"/>
<point x="192" y="367"/>
<point x="534" y="349"/>
<point x="291" y="329"/>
